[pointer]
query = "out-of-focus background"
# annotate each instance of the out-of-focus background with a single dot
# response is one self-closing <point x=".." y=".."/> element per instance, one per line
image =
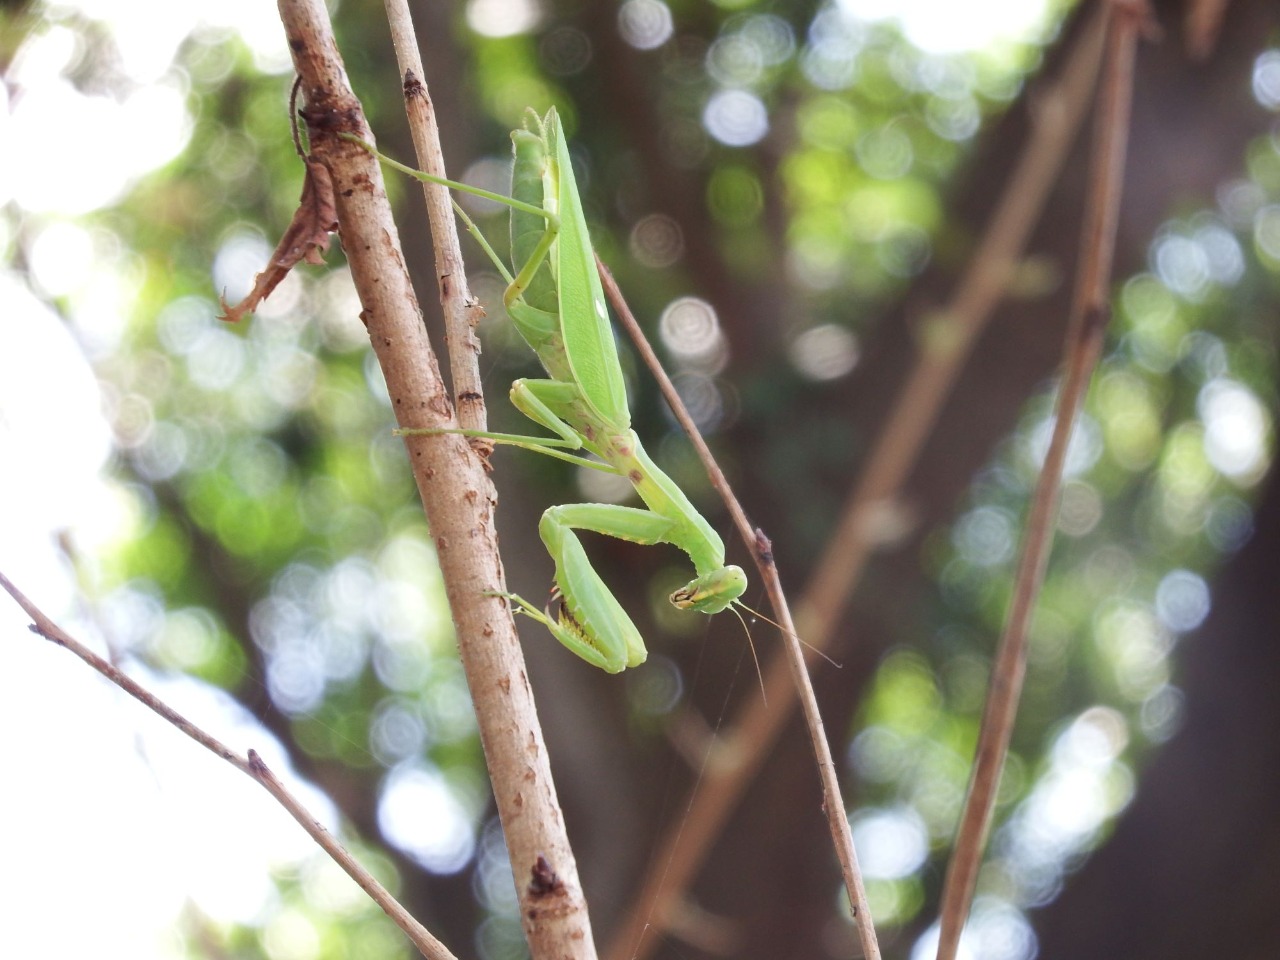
<point x="789" y="193"/>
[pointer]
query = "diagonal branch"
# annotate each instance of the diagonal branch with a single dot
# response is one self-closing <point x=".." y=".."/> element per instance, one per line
<point x="1090" y="313"/>
<point x="251" y="765"/>
<point x="761" y="550"/>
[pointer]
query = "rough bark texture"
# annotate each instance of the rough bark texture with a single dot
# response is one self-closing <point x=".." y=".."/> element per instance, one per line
<point x="458" y="498"/>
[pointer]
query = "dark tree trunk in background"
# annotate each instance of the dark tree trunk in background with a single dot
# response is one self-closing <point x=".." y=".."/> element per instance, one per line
<point x="1193" y="869"/>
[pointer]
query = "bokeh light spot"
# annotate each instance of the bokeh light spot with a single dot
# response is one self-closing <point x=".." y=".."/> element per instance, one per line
<point x="953" y="119"/>
<point x="734" y="60"/>
<point x="1236" y="428"/>
<point x="1081" y="508"/>
<point x="657" y="241"/>
<point x="941" y="26"/>
<point x="736" y="118"/>
<point x="1181" y="264"/>
<point x="985" y="536"/>
<point x="645" y="24"/>
<point x="890" y="843"/>
<point x="1182" y="600"/>
<point x="503" y="18"/>
<point x="885" y="154"/>
<point x="690" y="329"/>
<point x="565" y="51"/>
<point x="703" y="399"/>
<point x="772" y="37"/>
<point x="419" y="813"/>
<point x="600" y="487"/>
<point x="1266" y="79"/>
<point x="825" y="352"/>
<point x="1266" y="232"/>
<point x="61" y="257"/>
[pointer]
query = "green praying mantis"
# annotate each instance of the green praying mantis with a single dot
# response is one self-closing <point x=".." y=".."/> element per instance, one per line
<point x="557" y="304"/>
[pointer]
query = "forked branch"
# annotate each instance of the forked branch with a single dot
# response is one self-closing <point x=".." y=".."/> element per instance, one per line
<point x="458" y="499"/>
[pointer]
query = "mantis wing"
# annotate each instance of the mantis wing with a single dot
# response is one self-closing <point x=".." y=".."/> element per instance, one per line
<point x="584" y="321"/>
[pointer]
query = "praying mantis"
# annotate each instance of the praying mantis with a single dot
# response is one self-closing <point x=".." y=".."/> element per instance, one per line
<point x="557" y="304"/>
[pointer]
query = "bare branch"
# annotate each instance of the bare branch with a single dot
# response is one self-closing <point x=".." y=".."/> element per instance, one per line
<point x="252" y="765"/>
<point x="461" y="310"/>
<point x="1201" y="25"/>
<point x="1088" y="323"/>
<point x="832" y="802"/>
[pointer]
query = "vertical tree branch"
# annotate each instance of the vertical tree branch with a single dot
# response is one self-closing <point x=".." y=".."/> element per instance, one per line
<point x="461" y="311"/>
<point x="458" y="499"/>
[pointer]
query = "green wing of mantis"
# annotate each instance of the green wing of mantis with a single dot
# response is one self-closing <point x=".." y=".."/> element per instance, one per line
<point x="584" y="321"/>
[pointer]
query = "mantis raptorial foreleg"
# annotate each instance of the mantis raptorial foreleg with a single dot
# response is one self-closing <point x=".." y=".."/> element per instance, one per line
<point x="590" y="618"/>
<point x="556" y="302"/>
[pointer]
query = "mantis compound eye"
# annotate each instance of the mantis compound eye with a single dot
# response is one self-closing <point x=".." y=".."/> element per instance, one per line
<point x="713" y="592"/>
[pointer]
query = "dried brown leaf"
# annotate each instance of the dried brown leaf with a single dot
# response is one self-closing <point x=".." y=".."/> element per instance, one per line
<point x="306" y="238"/>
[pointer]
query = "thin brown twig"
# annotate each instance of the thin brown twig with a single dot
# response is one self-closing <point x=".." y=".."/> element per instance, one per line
<point x="1087" y="327"/>
<point x="461" y="310"/>
<point x="833" y="803"/>
<point x="251" y="765"/>
<point x="1202" y="23"/>
<point x="1055" y="121"/>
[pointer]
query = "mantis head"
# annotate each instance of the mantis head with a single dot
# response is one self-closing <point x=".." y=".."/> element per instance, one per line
<point x="713" y="592"/>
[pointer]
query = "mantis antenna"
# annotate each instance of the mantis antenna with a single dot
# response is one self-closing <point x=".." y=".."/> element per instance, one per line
<point x="803" y="642"/>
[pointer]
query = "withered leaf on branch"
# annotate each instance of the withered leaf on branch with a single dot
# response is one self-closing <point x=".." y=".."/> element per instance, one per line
<point x="307" y="236"/>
